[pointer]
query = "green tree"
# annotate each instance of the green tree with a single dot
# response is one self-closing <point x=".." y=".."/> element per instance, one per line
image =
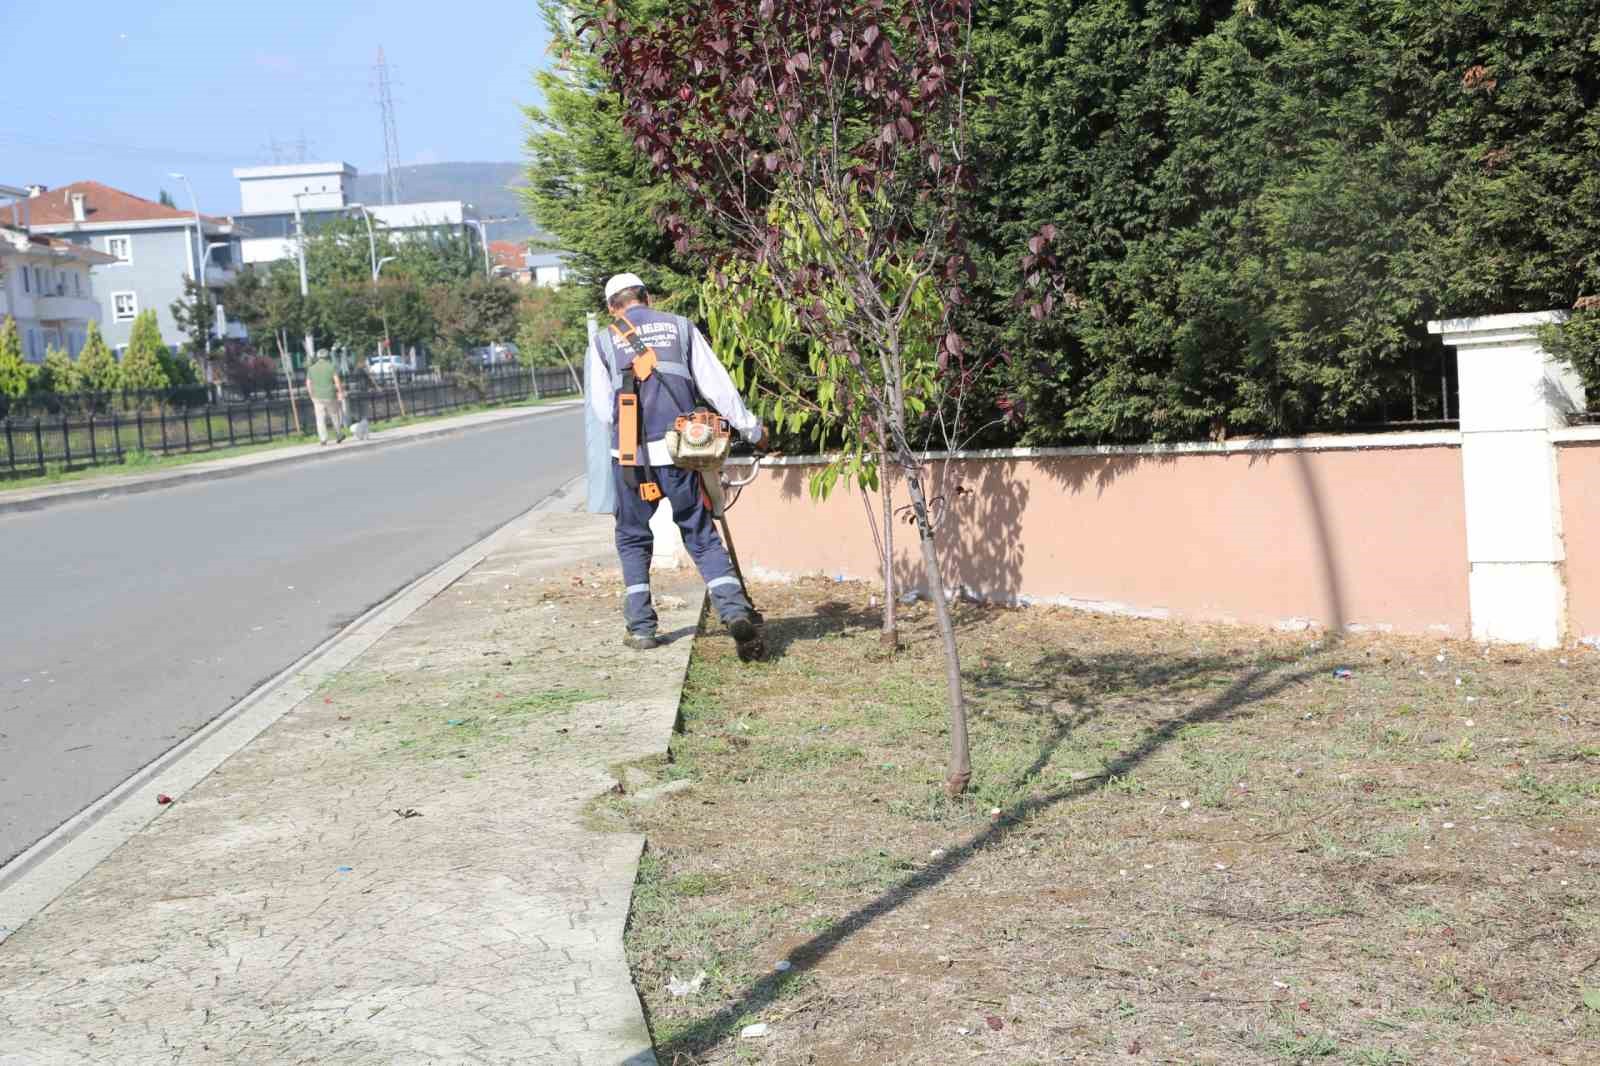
<point x="475" y="312"/>
<point x="346" y="315"/>
<point x="1258" y="205"/>
<point x="339" y="251"/>
<point x="437" y="258"/>
<point x="166" y="200"/>
<point x="588" y="186"/>
<point x="59" y="373"/>
<point x="15" y="374"/>
<point x="97" y="369"/>
<point x="404" y="313"/>
<point x="179" y="370"/>
<point x="195" y="314"/>
<point x="551" y="327"/>
<point x="267" y="300"/>
<point x="827" y="148"/>
<point x="141" y="365"/>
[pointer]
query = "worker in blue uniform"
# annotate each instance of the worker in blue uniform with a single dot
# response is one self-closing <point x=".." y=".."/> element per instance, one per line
<point x="666" y="364"/>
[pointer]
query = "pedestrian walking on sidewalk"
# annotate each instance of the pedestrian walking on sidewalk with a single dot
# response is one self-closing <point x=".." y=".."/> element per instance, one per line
<point x="327" y="396"/>
<point x="664" y="364"/>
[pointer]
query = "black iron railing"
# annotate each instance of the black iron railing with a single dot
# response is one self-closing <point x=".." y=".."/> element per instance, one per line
<point x="39" y="435"/>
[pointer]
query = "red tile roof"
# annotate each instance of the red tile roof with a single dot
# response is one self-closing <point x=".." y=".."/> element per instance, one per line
<point x="508" y="254"/>
<point x="78" y="251"/>
<point x="102" y="203"/>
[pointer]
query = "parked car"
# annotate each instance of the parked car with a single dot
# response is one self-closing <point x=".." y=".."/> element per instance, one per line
<point x="383" y="366"/>
<point x="497" y="354"/>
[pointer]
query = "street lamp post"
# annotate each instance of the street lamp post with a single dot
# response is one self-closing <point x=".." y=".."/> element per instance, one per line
<point x="388" y="346"/>
<point x="372" y="247"/>
<point x="200" y="245"/>
<point x="483" y="235"/>
<point x="300" y="256"/>
<point x="372" y="239"/>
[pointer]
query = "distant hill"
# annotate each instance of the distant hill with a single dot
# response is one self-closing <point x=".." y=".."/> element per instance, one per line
<point x="491" y="187"/>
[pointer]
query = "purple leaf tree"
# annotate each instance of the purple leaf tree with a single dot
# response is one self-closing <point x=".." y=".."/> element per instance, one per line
<point x="824" y="142"/>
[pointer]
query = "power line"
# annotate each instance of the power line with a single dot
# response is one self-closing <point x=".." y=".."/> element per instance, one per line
<point x="102" y="148"/>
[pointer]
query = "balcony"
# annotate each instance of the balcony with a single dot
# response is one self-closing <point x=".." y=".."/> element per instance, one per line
<point x="65" y="309"/>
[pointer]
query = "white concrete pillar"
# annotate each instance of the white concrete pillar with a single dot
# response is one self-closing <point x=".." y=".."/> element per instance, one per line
<point x="1512" y="395"/>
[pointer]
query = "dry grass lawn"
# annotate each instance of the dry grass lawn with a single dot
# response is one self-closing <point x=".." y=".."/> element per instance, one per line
<point x="1184" y="844"/>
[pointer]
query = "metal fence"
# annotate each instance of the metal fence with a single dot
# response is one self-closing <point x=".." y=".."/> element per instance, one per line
<point x="61" y="433"/>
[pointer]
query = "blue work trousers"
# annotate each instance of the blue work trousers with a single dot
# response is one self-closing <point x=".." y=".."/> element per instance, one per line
<point x="636" y="544"/>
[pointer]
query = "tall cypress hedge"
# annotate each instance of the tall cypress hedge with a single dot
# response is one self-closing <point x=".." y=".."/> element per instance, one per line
<point x="1260" y="204"/>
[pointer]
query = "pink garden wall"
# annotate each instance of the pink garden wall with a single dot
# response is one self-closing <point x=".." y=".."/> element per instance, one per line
<point x="1578" y="468"/>
<point x="1339" y="532"/>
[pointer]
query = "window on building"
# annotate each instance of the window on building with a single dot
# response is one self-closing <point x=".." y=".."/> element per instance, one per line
<point x="27" y="286"/>
<point x="124" y="306"/>
<point x="121" y="247"/>
<point x="77" y="283"/>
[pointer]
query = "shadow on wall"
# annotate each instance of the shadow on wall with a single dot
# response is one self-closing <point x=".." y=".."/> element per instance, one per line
<point x="985" y="527"/>
<point x="978" y="510"/>
<point x="992" y="512"/>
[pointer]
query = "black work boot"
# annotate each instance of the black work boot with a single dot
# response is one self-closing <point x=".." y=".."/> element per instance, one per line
<point x="642" y="641"/>
<point x="748" y="637"/>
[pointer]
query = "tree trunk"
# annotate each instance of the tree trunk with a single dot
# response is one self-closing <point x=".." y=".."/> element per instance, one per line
<point x="890" y="637"/>
<point x="288" y="374"/>
<point x="577" y="382"/>
<point x="960" y="757"/>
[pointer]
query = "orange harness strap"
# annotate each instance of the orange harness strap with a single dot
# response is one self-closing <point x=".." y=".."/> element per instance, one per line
<point x="630" y="448"/>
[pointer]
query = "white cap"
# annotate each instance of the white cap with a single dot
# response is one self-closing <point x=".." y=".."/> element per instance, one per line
<point x="619" y="282"/>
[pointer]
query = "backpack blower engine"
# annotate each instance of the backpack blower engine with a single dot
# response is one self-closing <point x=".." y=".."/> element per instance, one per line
<point x="703" y="442"/>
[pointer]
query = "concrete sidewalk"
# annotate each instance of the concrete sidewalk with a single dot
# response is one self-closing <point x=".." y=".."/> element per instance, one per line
<point x="399" y="871"/>
<point x="31" y="499"/>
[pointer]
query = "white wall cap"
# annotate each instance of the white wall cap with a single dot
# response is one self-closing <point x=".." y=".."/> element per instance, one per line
<point x="1439" y="438"/>
<point x="1495" y="330"/>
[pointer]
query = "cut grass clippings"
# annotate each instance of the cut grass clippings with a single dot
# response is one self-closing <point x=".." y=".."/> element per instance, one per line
<point x="1183" y="843"/>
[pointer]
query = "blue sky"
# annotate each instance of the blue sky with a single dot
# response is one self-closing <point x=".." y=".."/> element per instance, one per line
<point x="126" y="93"/>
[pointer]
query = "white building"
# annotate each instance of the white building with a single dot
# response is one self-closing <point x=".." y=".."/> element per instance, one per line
<point x="45" y="285"/>
<point x="268" y="197"/>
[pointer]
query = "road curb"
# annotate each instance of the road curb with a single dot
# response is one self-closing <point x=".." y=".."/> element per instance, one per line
<point x="134" y="485"/>
<point x="36" y="877"/>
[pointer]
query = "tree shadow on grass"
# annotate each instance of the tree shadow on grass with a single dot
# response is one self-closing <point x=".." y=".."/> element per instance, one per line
<point x="1041" y="689"/>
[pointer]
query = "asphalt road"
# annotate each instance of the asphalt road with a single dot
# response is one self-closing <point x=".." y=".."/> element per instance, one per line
<point x="128" y="623"/>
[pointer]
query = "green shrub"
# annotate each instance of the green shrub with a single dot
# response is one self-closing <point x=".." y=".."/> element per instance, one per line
<point x="15" y="374"/>
<point x="142" y="364"/>
<point x="97" y="369"/>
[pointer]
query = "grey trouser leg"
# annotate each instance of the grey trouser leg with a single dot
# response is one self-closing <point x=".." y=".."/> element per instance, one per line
<point x="635" y="545"/>
<point x="327" y="409"/>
